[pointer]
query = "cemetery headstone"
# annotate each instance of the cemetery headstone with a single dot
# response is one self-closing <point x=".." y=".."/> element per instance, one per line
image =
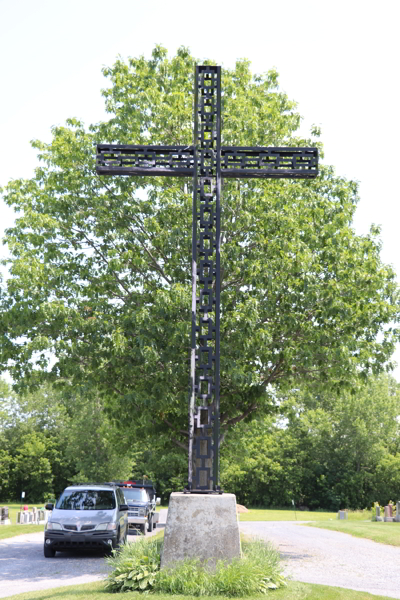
<point x="342" y="514"/>
<point x="388" y="518"/>
<point x="4" y="518"/>
<point x="397" y="517"/>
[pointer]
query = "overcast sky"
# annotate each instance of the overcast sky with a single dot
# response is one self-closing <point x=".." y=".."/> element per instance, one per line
<point x="338" y="60"/>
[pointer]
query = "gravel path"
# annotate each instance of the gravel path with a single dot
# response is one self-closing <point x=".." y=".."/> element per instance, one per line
<point x="23" y="568"/>
<point x="314" y="555"/>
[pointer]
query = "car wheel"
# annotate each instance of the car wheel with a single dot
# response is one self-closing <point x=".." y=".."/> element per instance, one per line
<point x="48" y="552"/>
<point x="150" y="524"/>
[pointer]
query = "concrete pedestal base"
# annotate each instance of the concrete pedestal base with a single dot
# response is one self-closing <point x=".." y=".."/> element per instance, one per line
<point x="203" y="526"/>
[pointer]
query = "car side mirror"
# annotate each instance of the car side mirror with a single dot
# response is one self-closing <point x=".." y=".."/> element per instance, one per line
<point x="158" y="501"/>
<point x="123" y="507"/>
<point x="49" y="506"/>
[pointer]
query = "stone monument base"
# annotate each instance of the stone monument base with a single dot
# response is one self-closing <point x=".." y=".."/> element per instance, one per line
<point x="203" y="526"/>
<point x="6" y="522"/>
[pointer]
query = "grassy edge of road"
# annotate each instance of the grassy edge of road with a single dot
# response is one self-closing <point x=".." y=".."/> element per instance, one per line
<point x="294" y="591"/>
<point x="260" y="514"/>
<point x="377" y="531"/>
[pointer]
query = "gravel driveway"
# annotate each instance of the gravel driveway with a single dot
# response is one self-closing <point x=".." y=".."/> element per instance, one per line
<point x="23" y="567"/>
<point x="314" y="555"/>
<point x="311" y="555"/>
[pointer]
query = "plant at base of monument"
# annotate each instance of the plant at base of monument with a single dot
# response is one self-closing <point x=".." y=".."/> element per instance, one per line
<point x="135" y="566"/>
<point x="257" y="571"/>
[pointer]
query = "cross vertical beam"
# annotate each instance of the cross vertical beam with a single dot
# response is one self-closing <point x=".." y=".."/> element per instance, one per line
<point x="205" y="336"/>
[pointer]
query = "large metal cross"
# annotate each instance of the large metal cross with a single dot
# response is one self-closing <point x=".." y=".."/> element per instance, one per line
<point x="207" y="162"/>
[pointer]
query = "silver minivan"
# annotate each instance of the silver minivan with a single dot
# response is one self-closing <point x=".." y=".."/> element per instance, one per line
<point x="86" y="516"/>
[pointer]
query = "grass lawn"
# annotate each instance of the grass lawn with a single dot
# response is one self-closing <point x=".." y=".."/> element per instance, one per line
<point x="294" y="591"/>
<point x="378" y="531"/>
<point x="7" y="531"/>
<point x="259" y="514"/>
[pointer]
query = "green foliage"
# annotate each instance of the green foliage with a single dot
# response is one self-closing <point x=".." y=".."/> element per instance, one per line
<point x="100" y="267"/>
<point x="137" y="567"/>
<point x="332" y="451"/>
<point x="52" y="437"/>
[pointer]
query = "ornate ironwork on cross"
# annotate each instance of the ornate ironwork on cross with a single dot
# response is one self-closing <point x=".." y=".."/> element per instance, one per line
<point x="207" y="162"/>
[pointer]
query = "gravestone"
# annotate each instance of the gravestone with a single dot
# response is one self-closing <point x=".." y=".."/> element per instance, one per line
<point x="42" y="516"/>
<point x="388" y="518"/>
<point x="342" y="514"/>
<point x="4" y="518"/>
<point x="397" y="517"/>
<point x="378" y="513"/>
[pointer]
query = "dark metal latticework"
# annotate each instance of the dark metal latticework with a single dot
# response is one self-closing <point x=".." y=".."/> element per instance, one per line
<point x="204" y="363"/>
<point x="207" y="162"/>
<point x="178" y="161"/>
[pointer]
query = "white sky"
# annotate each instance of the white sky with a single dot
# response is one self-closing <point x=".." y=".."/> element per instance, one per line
<point x="337" y="59"/>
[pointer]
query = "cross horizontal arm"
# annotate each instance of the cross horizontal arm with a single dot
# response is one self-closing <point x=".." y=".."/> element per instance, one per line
<point x="173" y="161"/>
<point x="236" y="161"/>
<point x="269" y="162"/>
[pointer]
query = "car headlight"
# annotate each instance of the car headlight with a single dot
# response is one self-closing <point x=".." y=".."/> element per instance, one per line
<point x="53" y="526"/>
<point x="104" y="526"/>
<point x="142" y="512"/>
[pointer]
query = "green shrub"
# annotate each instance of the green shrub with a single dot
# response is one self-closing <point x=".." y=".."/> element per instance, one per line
<point x="137" y="567"/>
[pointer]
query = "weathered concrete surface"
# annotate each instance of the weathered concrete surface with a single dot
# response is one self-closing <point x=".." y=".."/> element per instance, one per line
<point x="203" y="526"/>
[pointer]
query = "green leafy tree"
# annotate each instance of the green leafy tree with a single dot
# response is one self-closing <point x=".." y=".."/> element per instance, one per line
<point x="259" y="463"/>
<point x="94" y="444"/>
<point x="100" y="267"/>
<point x="331" y="451"/>
<point x="5" y="468"/>
<point x="31" y="469"/>
<point x="53" y="436"/>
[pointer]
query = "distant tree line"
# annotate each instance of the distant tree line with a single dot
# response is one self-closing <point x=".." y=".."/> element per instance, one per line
<point x="319" y="450"/>
<point x="50" y="438"/>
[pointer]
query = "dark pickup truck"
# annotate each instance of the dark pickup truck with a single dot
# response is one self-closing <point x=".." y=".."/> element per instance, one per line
<point x="141" y="498"/>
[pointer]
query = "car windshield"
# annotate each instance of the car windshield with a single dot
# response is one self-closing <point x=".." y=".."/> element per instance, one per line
<point x="86" y="500"/>
<point x="132" y="494"/>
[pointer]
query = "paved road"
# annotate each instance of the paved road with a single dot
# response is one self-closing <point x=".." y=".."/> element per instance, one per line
<point x="309" y="554"/>
<point x="314" y="555"/>
<point x="23" y="567"/>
